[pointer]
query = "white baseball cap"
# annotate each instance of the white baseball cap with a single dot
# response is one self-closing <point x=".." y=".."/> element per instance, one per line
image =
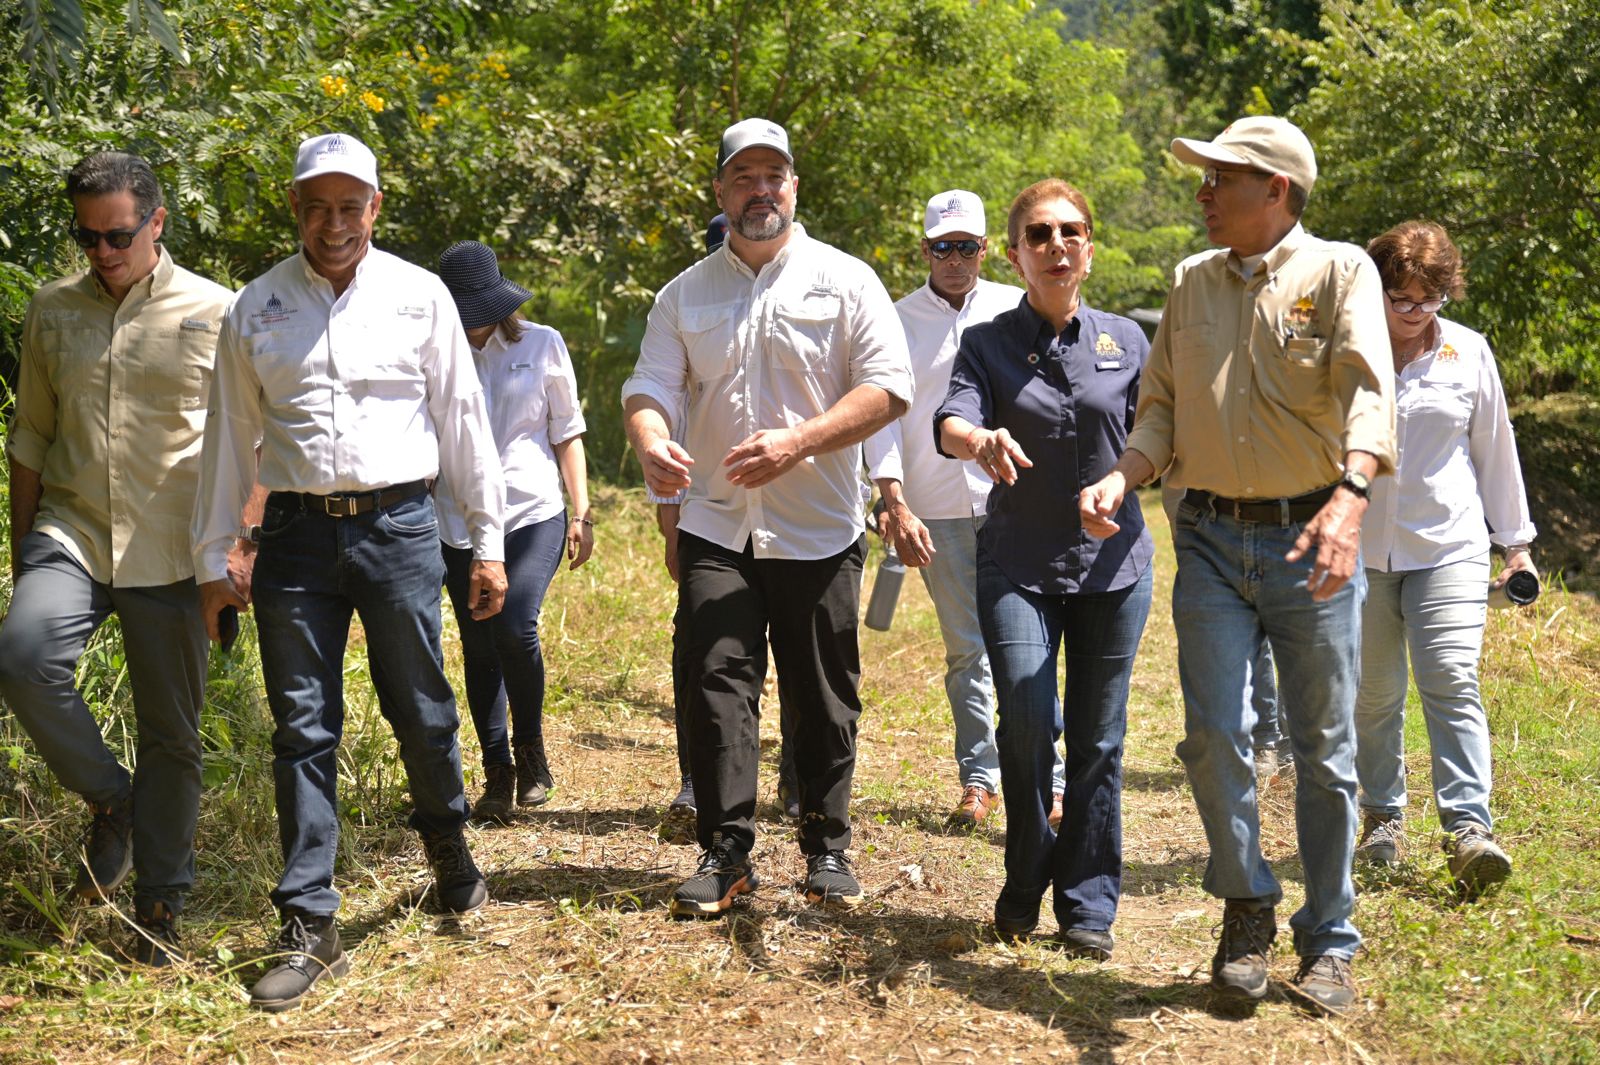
<point x="1274" y="145"/>
<point x="335" y="153"/>
<point x="956" y="211"/>
<point x="753" y="133"/>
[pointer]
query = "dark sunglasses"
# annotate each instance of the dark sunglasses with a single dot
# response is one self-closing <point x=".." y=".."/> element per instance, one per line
<point x="119" y="239"/>
<point x="941" y="249"/>
<point x="1038" y="234"/>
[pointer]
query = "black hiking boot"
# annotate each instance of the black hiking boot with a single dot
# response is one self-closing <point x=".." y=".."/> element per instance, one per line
<point x="155" y="934"/>
<point x="307" y="949"/>
<point x="456" y="879"/>
<point x="533" y="774"/>
<point x="499" y="795"/>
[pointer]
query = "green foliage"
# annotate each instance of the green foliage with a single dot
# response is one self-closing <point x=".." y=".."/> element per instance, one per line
<point x="1237" y="57"/>
<point x="1481" y="117"/>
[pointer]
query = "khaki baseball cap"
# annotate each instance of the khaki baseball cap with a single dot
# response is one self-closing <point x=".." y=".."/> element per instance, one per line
<point x="1263" y="142"/>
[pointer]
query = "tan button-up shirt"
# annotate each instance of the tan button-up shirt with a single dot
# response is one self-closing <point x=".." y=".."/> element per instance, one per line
<point x="1256" y="387"/>
<point x="111" y="405"/>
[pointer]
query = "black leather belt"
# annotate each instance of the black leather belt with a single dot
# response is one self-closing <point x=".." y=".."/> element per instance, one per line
<point x="349" y="504"/>
<point x="1263" y="511"/>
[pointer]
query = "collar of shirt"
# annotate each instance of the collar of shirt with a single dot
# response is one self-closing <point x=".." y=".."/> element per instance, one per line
<point x="147" y="287"/>
<point x="1270" y="261"/>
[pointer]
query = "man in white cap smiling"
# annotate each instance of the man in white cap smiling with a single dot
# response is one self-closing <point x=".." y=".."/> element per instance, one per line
<point x="779" y="355"/>
<point x="1269" y="401"/>
<point x="934" y="507"/>
<point x="348" y="367"/>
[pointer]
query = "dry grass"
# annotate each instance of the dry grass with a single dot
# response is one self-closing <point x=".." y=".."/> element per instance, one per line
<point x="577" y="960"/>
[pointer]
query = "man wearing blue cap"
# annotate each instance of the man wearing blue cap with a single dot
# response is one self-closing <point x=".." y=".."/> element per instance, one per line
<point x="782" y="354"/>
<point x="349" y="369"/>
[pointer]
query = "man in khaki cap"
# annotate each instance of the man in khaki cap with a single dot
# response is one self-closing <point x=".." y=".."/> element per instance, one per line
<point x="1269" y="401"/>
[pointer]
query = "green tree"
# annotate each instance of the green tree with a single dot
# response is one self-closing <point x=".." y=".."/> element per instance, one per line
<point x="1479" y="116"/>
<point x="1238" y="57"/>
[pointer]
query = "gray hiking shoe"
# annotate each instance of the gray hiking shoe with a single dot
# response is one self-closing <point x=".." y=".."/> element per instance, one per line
<point x="107" y="856"/>
<point x="1325" y="984"/>
<point x="1382" y="839"/>
<point x="1244" y="950"/>
<point x="1476" y="860"/>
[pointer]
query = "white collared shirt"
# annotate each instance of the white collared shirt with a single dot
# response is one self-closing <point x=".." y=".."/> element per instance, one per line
<point x="742" y="351"/>
<point x="903" y="450"/>
<point x="352" y="393"/>
<point x="533" y="405"/>
<point x="1457" y="483"/>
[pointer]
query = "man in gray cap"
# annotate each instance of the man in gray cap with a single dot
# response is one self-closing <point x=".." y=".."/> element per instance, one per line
<point x="349" y="369"/>
<point x="105" y="455"/>
<point x="1269" y="400"/>
<point x="782" y="354"/>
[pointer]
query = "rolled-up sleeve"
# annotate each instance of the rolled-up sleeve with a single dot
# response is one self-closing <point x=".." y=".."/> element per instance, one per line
<point x="565" y="414"/>
<point x="662" y="371"/>
<point x="878" y="352"/>
<point x="1152" y="430"/>
<point x="968" y="396"/>
<point x="227" y="454"/>
<point x="883" y="450"/>
<point x="460" y="414"/>
<point x="1493" y="448"/>
<point x="1362" y="367"/>
<point x="33" y="427"/>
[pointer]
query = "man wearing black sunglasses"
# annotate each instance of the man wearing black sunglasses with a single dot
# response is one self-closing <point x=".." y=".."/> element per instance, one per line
<point x="934" y="507"/>
<point x="105" y="457"/>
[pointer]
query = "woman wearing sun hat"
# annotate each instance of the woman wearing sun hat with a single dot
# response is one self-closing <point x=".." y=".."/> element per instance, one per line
<point x="538" y="426"/>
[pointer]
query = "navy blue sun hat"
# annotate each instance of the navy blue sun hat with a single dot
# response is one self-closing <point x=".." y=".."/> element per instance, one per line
<point x="716" y="232"/>
<point x="483" y="295"/>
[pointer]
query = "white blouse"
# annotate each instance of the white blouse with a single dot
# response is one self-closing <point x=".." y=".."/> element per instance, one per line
<point x="1458" y="482"/>
<point x="532" y="394"/>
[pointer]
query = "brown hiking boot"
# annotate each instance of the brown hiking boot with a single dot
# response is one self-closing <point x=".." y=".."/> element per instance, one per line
<point x="1325" y="983"/>
<point x="1476" y="860"/>
<point x="1244" y="949"/>
<point x="977" y="803"/>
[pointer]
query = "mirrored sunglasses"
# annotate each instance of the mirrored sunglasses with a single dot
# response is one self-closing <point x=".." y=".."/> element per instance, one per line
<point x="941" y="249"/>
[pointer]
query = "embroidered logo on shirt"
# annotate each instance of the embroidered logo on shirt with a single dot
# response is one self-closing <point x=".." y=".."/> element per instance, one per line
<point x="196" y="323"/>
<point x="415" y="310"/>
<point x="1300" y="321"/>
<point x="821" y="290"/>
<point x="59" y="316"/>
<point x="1447" y="354"/>
<point x="274" y="311"/>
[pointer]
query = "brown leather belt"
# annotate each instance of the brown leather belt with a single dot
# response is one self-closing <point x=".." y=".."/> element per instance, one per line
<point x="1263" y="511"/>
<point x="349" y="504"/>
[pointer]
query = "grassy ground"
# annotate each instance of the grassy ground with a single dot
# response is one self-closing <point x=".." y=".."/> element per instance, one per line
<point x="577" y="959"/>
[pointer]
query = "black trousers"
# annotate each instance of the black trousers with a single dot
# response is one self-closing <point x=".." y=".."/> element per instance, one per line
<point x="733" y="603"/>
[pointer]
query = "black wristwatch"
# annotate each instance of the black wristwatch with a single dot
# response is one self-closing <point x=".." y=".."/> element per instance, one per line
<point x="1358" y="483"/>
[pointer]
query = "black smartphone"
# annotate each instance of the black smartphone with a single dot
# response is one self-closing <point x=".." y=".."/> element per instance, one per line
<point x="228" y="627"/>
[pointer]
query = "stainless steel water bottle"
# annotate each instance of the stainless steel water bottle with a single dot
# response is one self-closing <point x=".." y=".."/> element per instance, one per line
<point x="885" y="590"/>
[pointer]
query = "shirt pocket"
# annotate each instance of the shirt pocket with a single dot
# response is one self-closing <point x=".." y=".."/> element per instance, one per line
<point x="177" y="376"/>
<point x="803" y="331"/>
<point x="708" y="337"/>
<point x="1295" y="372"/>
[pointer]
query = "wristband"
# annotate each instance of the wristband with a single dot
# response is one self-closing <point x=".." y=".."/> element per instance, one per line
<point x="586" y="521"/>
<point x="975" y="430"/>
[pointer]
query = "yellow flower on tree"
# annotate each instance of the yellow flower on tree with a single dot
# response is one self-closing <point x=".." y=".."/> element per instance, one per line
<point x="333" y="85"/>
<point x="373" y="101"/>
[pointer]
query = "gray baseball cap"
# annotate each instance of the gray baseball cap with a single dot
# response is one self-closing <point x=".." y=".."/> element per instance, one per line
<point x="753" y="133"/>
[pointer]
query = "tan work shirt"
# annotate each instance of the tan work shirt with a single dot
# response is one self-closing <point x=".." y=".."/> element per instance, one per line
<point x="111" y="404"/>
<point x="1256" y="387"/>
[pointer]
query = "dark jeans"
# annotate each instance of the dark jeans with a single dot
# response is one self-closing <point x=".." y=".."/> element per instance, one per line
<point x="733" y="604"/>
<point x="312" y="574"/>
<point x="502" y="654"/>
<point x="55" y="608"/>
<point x="1023" y="631"/>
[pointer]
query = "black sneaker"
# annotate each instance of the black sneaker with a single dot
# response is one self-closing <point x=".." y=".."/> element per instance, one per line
<point x="307" y="949"/>
<point x="721" y="877"/>
<point x="534" y="783"/>
<point x="682" y="807"/>
<point x="107" y="856"/>
<point x="1244" y="948"/>
<point x="1093" y="943"/>
<point x="155" y="934"/>
<point x="455" y="878"/>
<point x="499" y="794"/>
<point x="789" y="792"/>
<point x="1325" y="983"/>
<point x="829" y="880"/>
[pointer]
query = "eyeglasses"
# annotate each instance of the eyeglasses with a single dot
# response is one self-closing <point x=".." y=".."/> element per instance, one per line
<point x="1039" y="234"/>
<point x="941" y="249"/>
<point x="120" y="239"/>
<point x="1402" y="305"/>
<point x="1211" y="176"/>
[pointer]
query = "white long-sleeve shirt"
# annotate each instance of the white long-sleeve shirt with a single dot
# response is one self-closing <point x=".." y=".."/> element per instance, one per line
<point x="352" y="393"/>
<point x="742" y="351"/>
<point x="903" y="450"/>
<point x="532" y="394"/>
<point x="1457" y="484"/>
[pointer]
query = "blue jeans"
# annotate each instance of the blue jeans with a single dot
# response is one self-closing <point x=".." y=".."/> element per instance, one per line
<point x="1268" y="731"/>
<point x="1438" y="614"/>
<point x="1233" y="590"/>
<point x="951" y="580"/>
<point x="1024" y="631"/>
<point x="312" y="574"/>
<point x="502" y="655"/>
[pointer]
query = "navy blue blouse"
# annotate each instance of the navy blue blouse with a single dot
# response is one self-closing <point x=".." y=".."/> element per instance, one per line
<point x="1068" y="400"/>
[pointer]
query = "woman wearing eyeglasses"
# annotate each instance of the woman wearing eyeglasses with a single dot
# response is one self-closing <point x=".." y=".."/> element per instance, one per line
<point x="1042" y="398"/>
<point x="1456" y="489"/>
<point x="532" y="395"/>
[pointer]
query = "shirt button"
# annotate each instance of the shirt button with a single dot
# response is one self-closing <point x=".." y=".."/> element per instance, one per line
<point x="1241" y="391"/>
<point x="1241" y="440"/>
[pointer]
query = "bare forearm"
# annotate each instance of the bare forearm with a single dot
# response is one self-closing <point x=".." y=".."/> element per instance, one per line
<point x="859" y="413"/>
<point x="646" y="422"/>
<point x="1135" y="467"/>
<point x="955" y="433"/>
<point x="574" y="474"/>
